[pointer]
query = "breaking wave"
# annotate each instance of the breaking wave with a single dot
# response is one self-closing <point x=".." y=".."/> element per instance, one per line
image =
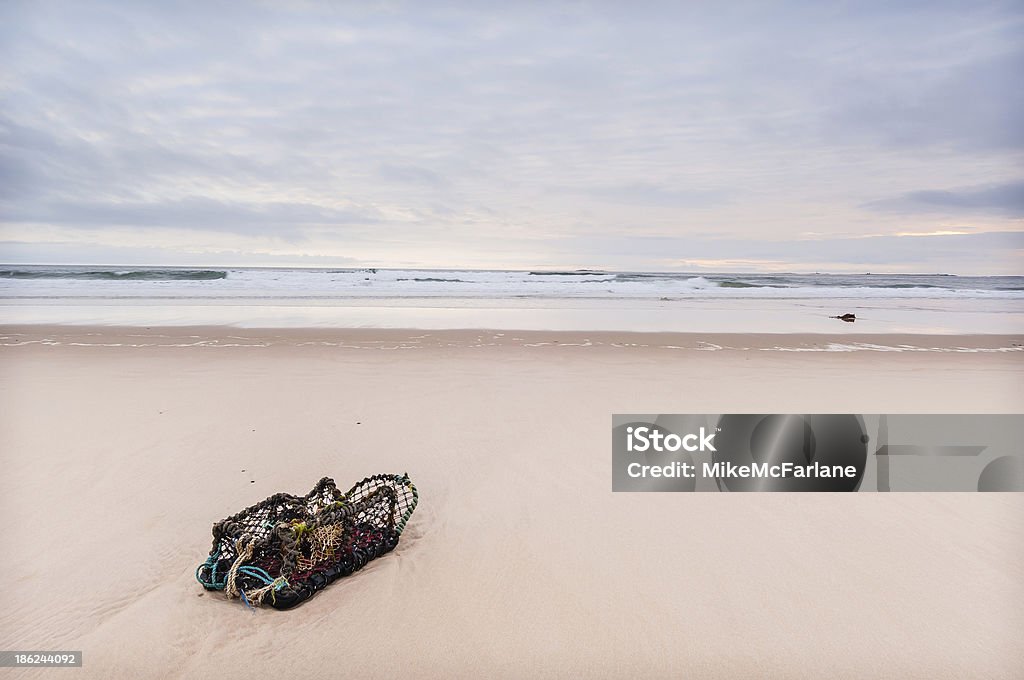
<point x="117" y="274"/>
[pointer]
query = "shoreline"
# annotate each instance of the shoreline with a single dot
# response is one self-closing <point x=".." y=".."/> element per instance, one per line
<point x="230" y="336"/>
<point x="698" y="315"/>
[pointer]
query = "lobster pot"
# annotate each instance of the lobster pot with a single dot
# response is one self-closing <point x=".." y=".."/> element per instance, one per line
<point x="284" y="549"/>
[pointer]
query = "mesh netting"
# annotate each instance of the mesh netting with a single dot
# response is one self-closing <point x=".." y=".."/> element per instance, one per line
<point x="282" y="550"/>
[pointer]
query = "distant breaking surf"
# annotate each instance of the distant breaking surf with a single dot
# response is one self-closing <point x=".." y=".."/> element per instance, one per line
<point x="67" y="282"/>
<point x="117" y="274"/>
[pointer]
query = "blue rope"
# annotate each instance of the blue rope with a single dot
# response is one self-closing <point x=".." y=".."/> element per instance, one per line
<point x="248" y="570"/>
<point x="256" y="572"/>
<point x="211" y="562"/>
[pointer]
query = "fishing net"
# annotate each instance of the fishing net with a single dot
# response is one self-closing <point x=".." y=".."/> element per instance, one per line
<point x="283" y="550"/>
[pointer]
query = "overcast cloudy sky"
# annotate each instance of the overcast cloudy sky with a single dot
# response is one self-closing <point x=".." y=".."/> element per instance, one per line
<point x="623" y="135"/>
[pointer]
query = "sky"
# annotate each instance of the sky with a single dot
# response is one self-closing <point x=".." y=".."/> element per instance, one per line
<point x="790" y="136"/>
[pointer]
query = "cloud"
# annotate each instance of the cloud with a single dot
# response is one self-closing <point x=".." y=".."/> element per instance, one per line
<point x="447" y="134"/>
<point x="1000" y="199"/>
<point x="964" y="253"/>
<point x="647" y="194"/>
<point x="410" y="174"/>
<point x="970" y="106"/>
<point x="200" y="213"/>
<point x="103" y="254"/>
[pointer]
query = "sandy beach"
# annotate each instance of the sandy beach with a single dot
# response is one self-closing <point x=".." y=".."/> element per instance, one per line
<point x="121" y="446"/>
<point x="541" y="258"/>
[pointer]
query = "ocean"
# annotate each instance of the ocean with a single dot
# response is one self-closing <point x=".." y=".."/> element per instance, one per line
<point x="580" y="299"/>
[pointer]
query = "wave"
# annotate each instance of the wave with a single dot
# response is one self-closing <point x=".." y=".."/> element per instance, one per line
<point x="117" y="274"/>
<point x="578" y="272"/>
<point x="644" y="277"/>
<point x="110" y="281"/>
<point x="895" y="286"/>
<point x="775" y="281"/>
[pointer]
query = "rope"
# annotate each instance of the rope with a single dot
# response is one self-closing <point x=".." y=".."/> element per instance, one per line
<point x="271" y="587"/>
<point x="231" y="587"/>
<point x="287" y="547"/>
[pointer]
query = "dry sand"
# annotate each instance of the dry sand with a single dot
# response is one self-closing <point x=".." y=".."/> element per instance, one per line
<point x="120" y="448"/>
